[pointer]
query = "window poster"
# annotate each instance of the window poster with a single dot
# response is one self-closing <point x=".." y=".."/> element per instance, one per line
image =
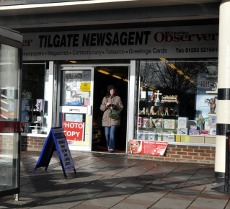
<point x="206" y="104"/>
<point x="147" y="147"/>
<point x="74" y="131"/>
<point x="76" y="87"/>
<point x="207" y="82"/>
<point x="206" y="99"/>
<point x="71" y="88"/>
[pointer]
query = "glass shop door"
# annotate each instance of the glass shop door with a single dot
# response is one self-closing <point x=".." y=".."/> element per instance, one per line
<point x="10" y="64"/>
<point x="76" y="96"/>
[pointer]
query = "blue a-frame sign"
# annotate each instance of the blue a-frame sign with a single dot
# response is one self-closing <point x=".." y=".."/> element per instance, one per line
<point x="56" y="141"/>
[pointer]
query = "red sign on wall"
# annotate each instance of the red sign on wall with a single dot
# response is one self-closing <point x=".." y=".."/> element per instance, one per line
<point x="147" y="147"/>
<point x="74" y="131"/>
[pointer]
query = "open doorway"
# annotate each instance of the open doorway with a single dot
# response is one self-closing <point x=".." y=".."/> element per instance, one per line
<point x="117" y="76"/>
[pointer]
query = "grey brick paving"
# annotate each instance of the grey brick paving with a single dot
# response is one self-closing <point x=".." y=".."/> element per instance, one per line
<point x="106" y="180"/>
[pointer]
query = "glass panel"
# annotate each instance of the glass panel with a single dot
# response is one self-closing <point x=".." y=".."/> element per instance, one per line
<point x="34" y="106"/>
<point x="74" y="117"/>
<point x="9" y="170"/>
<point x="176" y="98"/>
<point x="9" y="114"/>
<point x="75" y="88"/>
<point x="9" y="72"/>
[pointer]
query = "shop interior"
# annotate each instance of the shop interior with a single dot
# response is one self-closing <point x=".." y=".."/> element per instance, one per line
<point x="104" y="76"/>
<point x="33" y="106"/>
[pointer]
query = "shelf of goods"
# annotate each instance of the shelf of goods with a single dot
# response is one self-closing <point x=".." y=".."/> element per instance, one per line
<point x="162" y="123"/>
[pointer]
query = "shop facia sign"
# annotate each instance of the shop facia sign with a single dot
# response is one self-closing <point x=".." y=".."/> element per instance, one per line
<point x="171" y="42"/>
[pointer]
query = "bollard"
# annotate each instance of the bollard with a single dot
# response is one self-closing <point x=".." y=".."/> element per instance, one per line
<point x="226" y="180"/>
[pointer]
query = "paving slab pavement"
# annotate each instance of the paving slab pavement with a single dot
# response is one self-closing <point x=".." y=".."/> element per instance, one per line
<point x="111" y="180"/>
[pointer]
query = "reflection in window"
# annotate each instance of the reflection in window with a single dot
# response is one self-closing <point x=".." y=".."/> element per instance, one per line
<point x="9" y="71"/>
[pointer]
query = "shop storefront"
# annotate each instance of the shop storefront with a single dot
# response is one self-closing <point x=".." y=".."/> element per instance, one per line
<point x="176" y="104"/>
<point x="167" y="78"/>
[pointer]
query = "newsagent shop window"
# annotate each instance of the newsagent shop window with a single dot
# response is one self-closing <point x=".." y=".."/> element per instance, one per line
<point x="34" y="106"/>
<point x="176" y="99"/>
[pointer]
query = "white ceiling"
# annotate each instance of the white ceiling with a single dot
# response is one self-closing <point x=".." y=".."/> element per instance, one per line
<point x="91" y="5"/>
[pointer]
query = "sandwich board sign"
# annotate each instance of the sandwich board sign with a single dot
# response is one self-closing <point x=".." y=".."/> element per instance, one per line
<point x="56" y="141"/>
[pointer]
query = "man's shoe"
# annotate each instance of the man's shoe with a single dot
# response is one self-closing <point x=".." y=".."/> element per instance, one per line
<point x="111" y="150"/>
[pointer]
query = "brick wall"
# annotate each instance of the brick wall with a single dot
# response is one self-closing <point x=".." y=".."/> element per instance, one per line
<point x="32" y="143"/>
<point x="183" y="153"/>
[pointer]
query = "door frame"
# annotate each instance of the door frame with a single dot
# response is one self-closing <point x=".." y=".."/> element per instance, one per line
<point x="131" y="92"/>
<point x="87" y="144"/>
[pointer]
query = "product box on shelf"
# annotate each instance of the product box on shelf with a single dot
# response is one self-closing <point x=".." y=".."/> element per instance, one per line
<point x="35" y="131"/>
<point x="182" y="122"/>
<point x="157" y="122"/>
<point x="158" y="134"/>
<point x="193" y="127"/>
<point x="197" y="139"/>
<point x="212" y="125"/>
<point x="169" y="123"/>
<point x="145" y="123"/>
<point x="185" y="138"/>
<point x="204" y="132"/>
<point x="207" y="127"/>
<point x="192" y="124"/>
<point x="178" y="138"/>
<point x="194" y="132"/>
<point x="169" y="136"/>
<point x="141" y="136"/>
<point x="182" y="131"/>
<point x="212" y="131"/>
<point x="140" y="122"/>
<point x="210" y="139"/>
<point x="151" y="136"/>
<point x="212" y="120"/>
